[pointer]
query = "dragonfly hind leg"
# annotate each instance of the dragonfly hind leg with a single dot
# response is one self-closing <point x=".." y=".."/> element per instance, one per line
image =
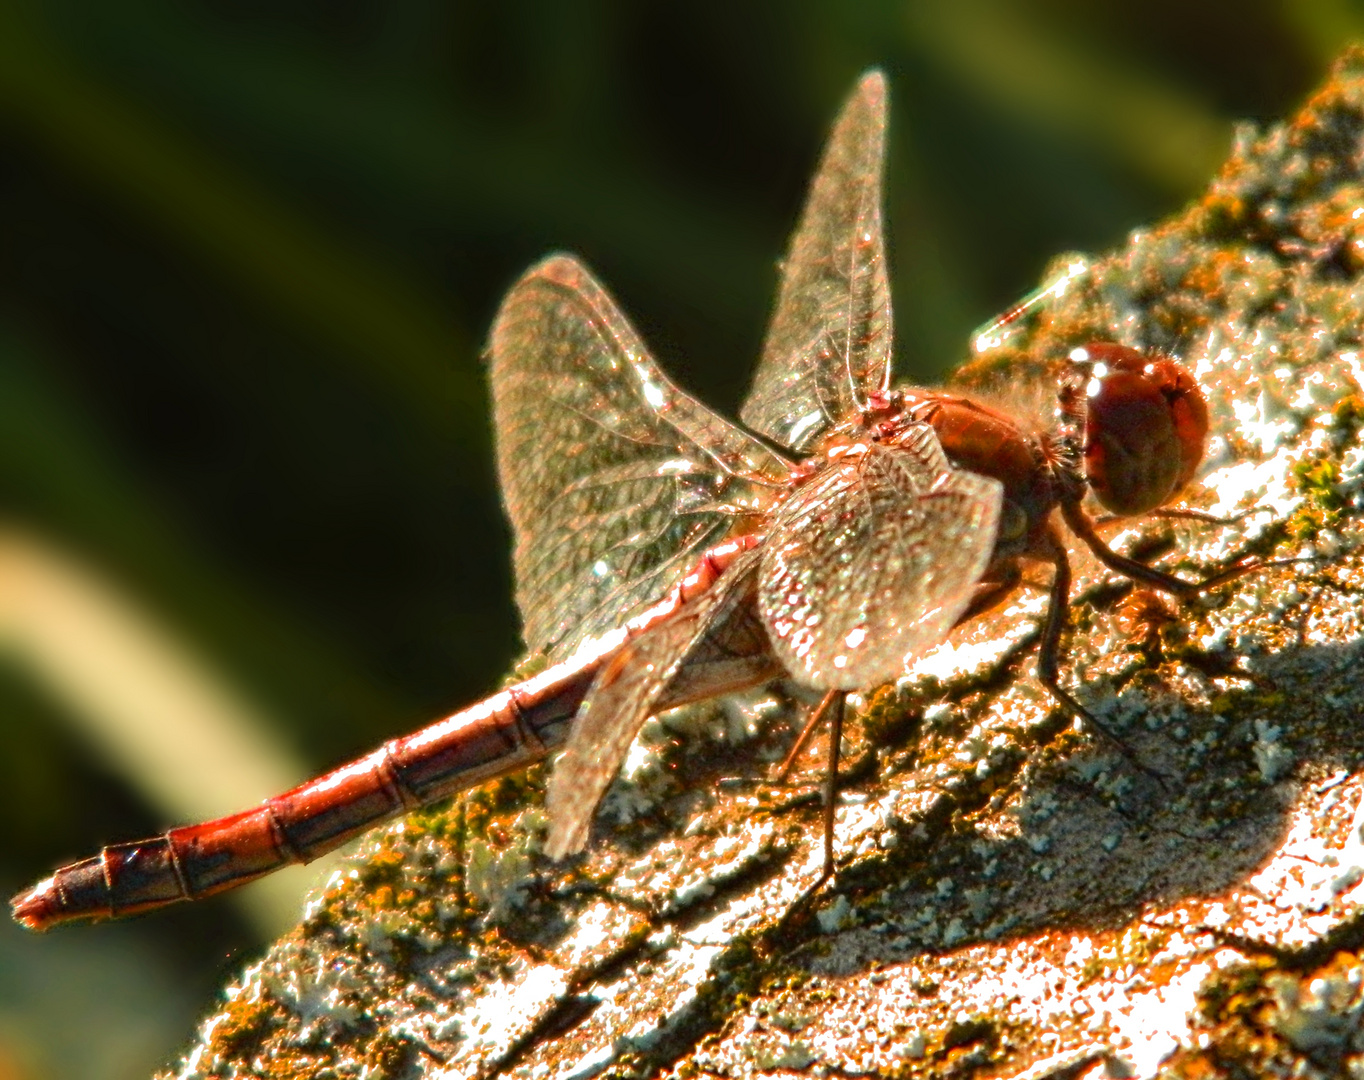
<point x="812" y="723"/>
<point x="839" y="699"/>
<point x="830" y="706"/>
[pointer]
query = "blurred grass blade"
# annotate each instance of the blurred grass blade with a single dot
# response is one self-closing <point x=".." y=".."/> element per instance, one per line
<point x="1145" y="123"/>
<point x="151" y="709"/>
<point x="391" y="333"/>
<point x="54" y="465"/>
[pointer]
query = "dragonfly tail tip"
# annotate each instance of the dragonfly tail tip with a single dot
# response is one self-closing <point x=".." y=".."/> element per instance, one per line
<point x="34" y="909"/>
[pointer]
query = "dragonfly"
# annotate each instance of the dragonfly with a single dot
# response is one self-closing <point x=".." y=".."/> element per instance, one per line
<point x="664" y="554"/>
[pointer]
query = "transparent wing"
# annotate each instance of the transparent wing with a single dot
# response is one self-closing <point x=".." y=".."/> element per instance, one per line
<point x="613" y="478"/>
<point x="715" y="644"/>
<point x="873" y="560"/>
<point x="829" y="342"/>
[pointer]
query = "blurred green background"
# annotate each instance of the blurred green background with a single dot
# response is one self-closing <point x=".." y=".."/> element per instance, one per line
<point x="248" y="254"/>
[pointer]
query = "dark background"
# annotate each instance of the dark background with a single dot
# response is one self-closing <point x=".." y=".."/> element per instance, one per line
<point x="248" y="254"/>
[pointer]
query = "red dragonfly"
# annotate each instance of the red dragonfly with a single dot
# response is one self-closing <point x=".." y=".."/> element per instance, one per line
<point x="664" y="554"/>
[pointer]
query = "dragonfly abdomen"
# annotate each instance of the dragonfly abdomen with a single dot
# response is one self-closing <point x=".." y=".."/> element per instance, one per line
<point x="501" y="734"/>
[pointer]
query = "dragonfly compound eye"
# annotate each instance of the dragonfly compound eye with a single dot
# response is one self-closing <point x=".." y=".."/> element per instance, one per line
<point x="1146" y="423"/>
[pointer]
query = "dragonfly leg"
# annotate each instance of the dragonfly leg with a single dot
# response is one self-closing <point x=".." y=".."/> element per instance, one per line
<point x="831" y="779"/>
<point x="1083" y="526"/>
<point x="1180" y="513"/>
<point x="803" y="739"/>
<point x="1189" y="513"/>
<point x="1049" y="650"/>
<point x="832" y="706"/>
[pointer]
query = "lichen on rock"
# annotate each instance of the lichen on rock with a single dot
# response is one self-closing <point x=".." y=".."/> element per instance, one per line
<point x="1014" y="898"/>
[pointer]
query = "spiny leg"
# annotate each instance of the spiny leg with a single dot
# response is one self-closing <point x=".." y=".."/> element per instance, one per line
<point x="1189" y="513"/>
<point x="1049" y="649"/>
<point x="1180" y="513"/>
<point x="831" y="705"/>
<point x="798" y="747"/>
<point x="831" y="781"/>
<point x="1083" y="526"/>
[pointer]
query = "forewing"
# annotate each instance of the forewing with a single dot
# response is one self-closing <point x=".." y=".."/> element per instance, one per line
<point x="713" y="645"/>
<point x="873" y="560"/>
<point x="613" y="478"/>
<point x="828" y="345"/>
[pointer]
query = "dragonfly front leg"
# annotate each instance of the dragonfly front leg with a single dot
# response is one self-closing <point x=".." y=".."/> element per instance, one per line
<point x="1083" y="526"/>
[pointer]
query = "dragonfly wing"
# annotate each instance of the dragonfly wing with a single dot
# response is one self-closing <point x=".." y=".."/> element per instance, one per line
<point x="714" y="644"/>
<point x="873" y="560"/>
<point x="613" y="478"/>
<point x="828" y="345"/>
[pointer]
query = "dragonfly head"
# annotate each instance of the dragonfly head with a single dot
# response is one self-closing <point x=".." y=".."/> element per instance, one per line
<point x="1145" y="424"/>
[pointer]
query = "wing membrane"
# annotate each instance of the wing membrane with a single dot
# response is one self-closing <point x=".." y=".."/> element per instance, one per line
<point x="715" y="644"/>
<point x="874" y="560"/>
<point x="613" y="478"/>
<point x="829" y="341"/>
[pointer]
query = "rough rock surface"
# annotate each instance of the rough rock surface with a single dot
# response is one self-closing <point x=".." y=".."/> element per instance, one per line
<point x="1015" y="898"/>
